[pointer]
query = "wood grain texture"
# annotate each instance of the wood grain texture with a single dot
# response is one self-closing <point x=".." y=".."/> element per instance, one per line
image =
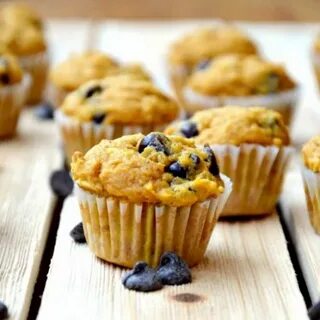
<point x="247" y="272"/>
<point x="26" y="203"/>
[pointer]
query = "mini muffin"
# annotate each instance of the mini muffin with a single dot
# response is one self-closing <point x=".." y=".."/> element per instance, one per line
<point x="241" y="80"/>
<point x="110" y="108"/>
<point x="143" y="195"/>
<point x="311" y="179"/>
<point x="21" y="34"/>
<point x="14" y="87"/>
<point x="251" y="146"/>
<point x="198" y="47"/>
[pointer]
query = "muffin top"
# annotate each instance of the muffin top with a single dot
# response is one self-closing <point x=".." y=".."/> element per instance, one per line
<point x="133" y="70"/>
<point x="234" y="125"/>
<point x="154" y="168"/>
<point x="10" y="70"/>
<point x="80" y="68"/>
<point x="239" y="75"/>
<point x="311" y="154"/>
<point x="20" y="13"/>
<point x="207" y="43"/>
<point x="120" y="99"/>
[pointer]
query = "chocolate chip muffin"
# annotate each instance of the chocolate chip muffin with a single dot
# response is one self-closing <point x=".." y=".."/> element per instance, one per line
<point x="110" y="108"/>
<point x="252" y="148"/>
<point x="311" y="178"/>
<point x="14" y="86"/>
<point x="243" y="80"/>
<point x="195" y="49"/>
<point x="153" y="193"/>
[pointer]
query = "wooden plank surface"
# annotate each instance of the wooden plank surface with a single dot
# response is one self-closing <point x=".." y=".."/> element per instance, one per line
<point x="247" y="273"/>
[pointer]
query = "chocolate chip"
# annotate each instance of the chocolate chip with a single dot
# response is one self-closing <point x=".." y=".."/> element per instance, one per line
<point x="4" y="78"/>
<point x="173" y="270"/>
<point x="314" y="312"/>
<point x="45" y="112"/>
<point x="189" y="129"/>
<point x="92" y="91"/>
<point x="98" y="118"/>
<point x="142" y="278"/>
<point x="3" y="311"/>
<point x="61" y="183"/>
<point x="213" y="165"/>
<point x="155" y="140"/>
<point x="195" y="159"/>
<point x="177" y="170"/>
<point x="77" y="234"/>
<point x="202" y="65"/>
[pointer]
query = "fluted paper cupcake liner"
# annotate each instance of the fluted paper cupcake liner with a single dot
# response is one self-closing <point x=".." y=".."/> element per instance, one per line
<point x="12" y="99"/>
<point x="123" y="233"/>
<point x="81" y="136"/>
<point x="257" y="175"/>
<point x="283" y="102"/>
<point x="37" y="66"/>
<point x="311" y="182"/>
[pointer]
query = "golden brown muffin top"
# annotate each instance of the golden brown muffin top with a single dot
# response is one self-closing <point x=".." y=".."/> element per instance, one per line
<point x="10" y="70"/>
<point x="80" y="68"/>
<point x="20" y="13"/>
<point x="234" y="125"/>
<point x="134" y="70"/>
<point x="207" y="43"/>
<point x="154" y="168"/>
<point x="311" y="154"/>
<point x="120" y="99"/>
<point x="239" y="75"/>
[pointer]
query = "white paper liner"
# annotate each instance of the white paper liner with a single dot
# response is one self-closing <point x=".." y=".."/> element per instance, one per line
<point x="311" y="182"/>
<point x="12" y="99"/>
<point x="124" y="233"/>
<point x="257" y="174"/>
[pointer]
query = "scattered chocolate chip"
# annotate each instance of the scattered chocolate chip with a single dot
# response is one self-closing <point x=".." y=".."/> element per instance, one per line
<point x="98" y="118"/>
<point x="189" y="129"/>
<point x="45" y="112"/>
<point x="202" y="65"/>
<point x="4" y="78"/>
<point x="155" y="140"/>
<point x="177" y="170"/>
<point x="92" y="91"/>
<point x="314" y="312"/>
<point x="195" y="159"/>
<point x="77" y="234"/>
<point x="142" y="278"/>
<point x="61" y="183"/>
<point x="3" y="311"/>
<point x="173" y="270"/>
<point x="213" y="165"/>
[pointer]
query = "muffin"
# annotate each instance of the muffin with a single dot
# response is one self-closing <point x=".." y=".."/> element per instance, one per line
<point x="252" y="148"/>
<point x="196" y="48"/>
<point x="241" y="80"/>
<point x="21" y="34"/>
<point x="311" y="179"/>
<point x="14" y="87"/>
<point x="143" y="195"/>
<point x="112" y="107"/>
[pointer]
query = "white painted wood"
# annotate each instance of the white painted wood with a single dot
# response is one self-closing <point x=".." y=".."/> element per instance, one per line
<point x="247" y="274"/>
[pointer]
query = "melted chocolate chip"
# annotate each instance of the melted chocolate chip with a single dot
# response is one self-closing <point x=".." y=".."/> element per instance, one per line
<point x="4" y="78"/>
<point x="155" y="140"/>
<point x="61" y="183"/>
<point x="98" y="118"/>
<point x="92" y="91"/>
<point x="189" y="129"/>
<point x="213" y="165"/>
<point x="195" y="159"/>
<point x="177" y="170"/>
<point x="77" y="234"/>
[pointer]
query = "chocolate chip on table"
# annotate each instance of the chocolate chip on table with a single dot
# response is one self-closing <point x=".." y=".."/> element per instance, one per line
<point x="98" y="118"/>
<point x="213" y="165"/>
<point x="189" y="129"/>
<point x="4" y="78"/>
<point x="155" y="140"/>
<point x="77" y="234"/>
<point x="61" y="183"/>
<point x="172" y="270"/>
<point x="177" y="170"/>
<point x="45" y="111"/>
<point x="142" y="278"/>
<point x="92" y="91"/>
<point x="3" y="311"/>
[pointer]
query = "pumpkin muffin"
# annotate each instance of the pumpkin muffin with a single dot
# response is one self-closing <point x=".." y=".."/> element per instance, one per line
<point x="143" y="195"/>
<point x="241" y="80"/>
<point x="21" y="34"/>
<point x="14" y="87"/>
<point x="112" y="107"/>
<point x="196" y="48"/>
<point x="311" y="179"/>
<point x="252" y="148"/>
